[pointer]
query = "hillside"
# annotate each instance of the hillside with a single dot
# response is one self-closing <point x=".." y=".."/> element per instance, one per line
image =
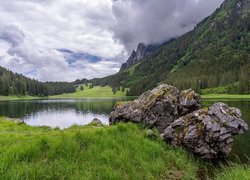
<point x="17" y="84"/>
<point x="93" y="92"/>
<point x="216" y="53"/>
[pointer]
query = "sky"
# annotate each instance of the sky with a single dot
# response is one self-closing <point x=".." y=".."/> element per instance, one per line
<point x="65" y="40"/>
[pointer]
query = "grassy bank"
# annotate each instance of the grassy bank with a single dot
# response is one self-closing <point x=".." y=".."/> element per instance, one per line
<point x="95" y="92"/>
<point x="8" y="98"/>
<point x="117" y="152"/>
<point x="124" y="151"/>
<point x="226" y="96"/>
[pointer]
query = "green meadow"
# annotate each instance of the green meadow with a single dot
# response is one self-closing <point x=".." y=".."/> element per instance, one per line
<point x="95" y="92"/>
<point x="9" y="98"/>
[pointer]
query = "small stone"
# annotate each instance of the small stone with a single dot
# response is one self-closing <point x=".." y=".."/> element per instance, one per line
<point x="96" y="122"/>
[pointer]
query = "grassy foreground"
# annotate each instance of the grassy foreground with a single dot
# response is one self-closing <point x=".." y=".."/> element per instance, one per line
<point x="118" y="152"/>
<point x="124" y="151"/>
<point x="95" y="92"/>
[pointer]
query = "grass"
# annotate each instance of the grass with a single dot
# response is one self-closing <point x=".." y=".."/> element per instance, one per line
<point x="95" y="92"/>
<point x="106" y="92"/>
<point x="216" y="90"/>
<point x="7" y="98"/>
<point x="124" y="151"/>
<point x="234" y="172"/>
<point x="226" y="96"/>
<point x="221" y="93"/>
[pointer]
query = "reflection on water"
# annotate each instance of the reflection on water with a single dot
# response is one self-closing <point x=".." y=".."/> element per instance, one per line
<point x="59" y="113"/>
<point x="63" y="118"/>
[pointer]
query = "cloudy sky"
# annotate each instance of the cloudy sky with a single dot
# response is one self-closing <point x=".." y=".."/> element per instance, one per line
<point x="64" y="40"/>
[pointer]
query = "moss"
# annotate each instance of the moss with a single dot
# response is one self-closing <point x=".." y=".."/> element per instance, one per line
<point x="120" y="103"/>
<point x="187" y="94"/>
<point x="199" y="129"/>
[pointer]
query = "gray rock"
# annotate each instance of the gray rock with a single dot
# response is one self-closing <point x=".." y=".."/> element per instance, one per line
<point x="207" y="133"/>
<point x="179" y="117"/>
<point x="131" y="111"/>
<point x="15" y="120"/>
<point x="157" y="108"/>
<point x="96" y="122"/>
<point x="189" y="101"/>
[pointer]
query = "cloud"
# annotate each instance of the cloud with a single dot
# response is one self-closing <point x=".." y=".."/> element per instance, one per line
<point x="12" y="34"/>
<point x="62" y="40"/>
<point x="156" y="21"/>
<point x="58" y="40"/>
<point x="53" y="65"/>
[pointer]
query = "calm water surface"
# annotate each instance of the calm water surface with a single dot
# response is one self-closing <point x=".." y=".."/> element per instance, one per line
<point x="59" y="113"/>
<point x="65" y="113"/>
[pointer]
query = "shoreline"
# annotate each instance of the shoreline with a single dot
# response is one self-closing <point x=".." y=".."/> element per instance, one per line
<point x="207" y="97"/>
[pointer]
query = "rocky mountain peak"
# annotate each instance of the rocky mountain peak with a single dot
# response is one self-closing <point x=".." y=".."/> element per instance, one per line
<point x="141" y="51"/>
<point x="135" y="56"/>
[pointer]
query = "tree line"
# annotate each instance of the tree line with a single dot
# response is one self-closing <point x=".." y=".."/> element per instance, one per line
<point x="17" y="84"/>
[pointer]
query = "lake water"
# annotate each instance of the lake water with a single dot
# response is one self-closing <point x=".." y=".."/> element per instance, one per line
<point x="65" y="113"/>
<point x="58" y="113"/>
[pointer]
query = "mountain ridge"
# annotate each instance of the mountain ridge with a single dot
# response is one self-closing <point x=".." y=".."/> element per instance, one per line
<point x="215" y="53"/>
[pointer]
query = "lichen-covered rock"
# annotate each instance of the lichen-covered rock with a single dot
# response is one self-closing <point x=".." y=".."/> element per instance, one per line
<point x="131" y="111"/>
<point x="157" y="108"/>
<point x="207" y="133"/>
<point x="189" y="101"/>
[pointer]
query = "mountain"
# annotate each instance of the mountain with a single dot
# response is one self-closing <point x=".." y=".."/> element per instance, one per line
<point x="17" y="84"/>
<point x="141" y="52"/>
<point x="215" y="53"/>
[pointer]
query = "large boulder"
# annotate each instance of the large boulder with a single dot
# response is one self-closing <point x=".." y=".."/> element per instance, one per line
<point x="207" y="133"/>
<point x="157" y="108"/>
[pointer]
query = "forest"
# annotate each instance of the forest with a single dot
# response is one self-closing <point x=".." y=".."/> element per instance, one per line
<point x="17" y="84"/>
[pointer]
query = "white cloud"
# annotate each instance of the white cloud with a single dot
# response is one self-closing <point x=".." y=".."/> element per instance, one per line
<point x="32" y="32"/>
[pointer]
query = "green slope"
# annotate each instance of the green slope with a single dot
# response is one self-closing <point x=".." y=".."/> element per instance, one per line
<point x="215" y="53"/>
<point x="95" y="92"/>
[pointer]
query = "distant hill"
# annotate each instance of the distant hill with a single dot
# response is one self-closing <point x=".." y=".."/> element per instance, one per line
<point x="17" y="84"/>
<point x="216" y="53"/>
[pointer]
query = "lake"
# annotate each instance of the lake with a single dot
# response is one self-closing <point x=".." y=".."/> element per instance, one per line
<point x="58" y="113"/>
<point x="65" y="113"/>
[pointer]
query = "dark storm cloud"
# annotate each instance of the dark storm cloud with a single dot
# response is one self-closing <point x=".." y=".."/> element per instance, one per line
<point x="155" y="21"/>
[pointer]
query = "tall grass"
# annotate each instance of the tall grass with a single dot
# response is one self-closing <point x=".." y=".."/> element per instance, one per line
<point x="234" y="172"/>
<point x="124" y="151"/>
